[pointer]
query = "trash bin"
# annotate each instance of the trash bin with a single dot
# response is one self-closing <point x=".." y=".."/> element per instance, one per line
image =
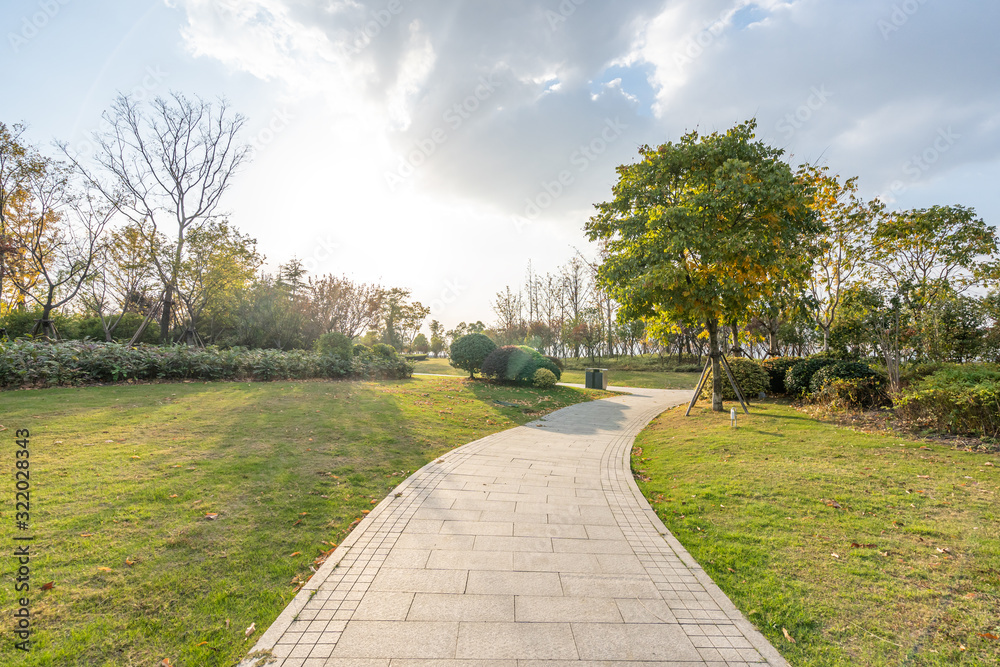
<point x="596" y="378"/>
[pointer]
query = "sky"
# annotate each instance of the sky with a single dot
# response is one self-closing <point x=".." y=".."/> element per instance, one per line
<point x="444" y="146"/>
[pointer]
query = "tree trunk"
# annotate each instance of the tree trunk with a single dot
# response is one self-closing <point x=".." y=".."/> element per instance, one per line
<point x="737" y="350"/>
<point x="772" y="337"/>
<point x="165" y="315"/>
<point x="716" y="356"/>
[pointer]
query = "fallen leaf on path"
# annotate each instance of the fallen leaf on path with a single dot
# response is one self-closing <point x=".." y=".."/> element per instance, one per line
<point x="787" y="636"/>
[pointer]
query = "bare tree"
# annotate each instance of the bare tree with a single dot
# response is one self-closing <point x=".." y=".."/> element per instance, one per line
<point x="169" y="166"/>
<point x="345" y="306"/>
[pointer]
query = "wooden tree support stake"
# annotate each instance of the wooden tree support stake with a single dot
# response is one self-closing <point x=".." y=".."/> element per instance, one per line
<point x="704" y="377"/>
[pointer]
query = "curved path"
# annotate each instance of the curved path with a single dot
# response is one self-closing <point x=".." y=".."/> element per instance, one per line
<point x="529" y="548"/>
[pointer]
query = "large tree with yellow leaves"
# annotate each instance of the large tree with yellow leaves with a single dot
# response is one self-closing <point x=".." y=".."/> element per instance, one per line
<point x="704" y="229"/>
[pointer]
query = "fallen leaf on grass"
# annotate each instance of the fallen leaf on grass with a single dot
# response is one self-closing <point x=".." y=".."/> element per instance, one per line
<point x="129" y="562"/>
<point x="211" y="516"/>
<point x="86" y="534"/>
<point x="961" y="647"/>
<point x="105" y="569"/>
<point x="855" y="545"/>
<point x="297" y="522"/>
<point x="174" y="495"/>
<point x="297" y="553"/>
<point x="165" y="663"/>
<point x="987" y="635"/>
<point x="835" y="555"/>
<point x="787" y="636"/>
<point x="48" y="586"/>
<point x="250" y="630"/>
<point x="365" y="511"/>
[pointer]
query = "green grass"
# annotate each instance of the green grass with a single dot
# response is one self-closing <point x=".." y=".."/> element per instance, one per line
<point x="124" y="476"/>
<point x="868" y="549"/>
<point x="620" y="378"/>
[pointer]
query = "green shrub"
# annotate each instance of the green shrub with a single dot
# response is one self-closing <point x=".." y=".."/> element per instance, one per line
<point x="777" y="369"/>
<point x="516" y="363"/>
<point x="749" y="375"/>
<point x="26" y="363"/>
<point x="843" y="370"/>
<point x="470" y="351"/>
<point x="689" y="368"/>
<point x="544" y="378"/>
<point x="555" y="360"/>
<point x="384" y="351"/>
<point x="335" y="343"/>
<point x="361" y="350"/>
<point x="962" y="400"/>
<point x="852" y="393"/>
<point x="798" y="376"/>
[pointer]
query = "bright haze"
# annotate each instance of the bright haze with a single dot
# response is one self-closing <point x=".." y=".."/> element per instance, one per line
<point x="442" y="145"/>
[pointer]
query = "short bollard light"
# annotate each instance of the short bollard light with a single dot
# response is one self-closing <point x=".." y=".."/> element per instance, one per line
<point x="732" y="417"/>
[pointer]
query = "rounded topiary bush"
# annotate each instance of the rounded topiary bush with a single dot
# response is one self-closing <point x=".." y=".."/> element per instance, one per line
<point x="361" y="350"/>
<point x="470" y="351"/>
<point x="777" y="369"/>
<point x="750" y="376"/>
<point x="544" y="378"/>
<point x="517" y="363"/>
<point x="335" y="343"/>
<point x="799" y="376"/>
<point x="384" y="351"/>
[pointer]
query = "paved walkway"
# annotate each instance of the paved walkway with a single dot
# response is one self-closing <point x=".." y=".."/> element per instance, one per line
<point x="529" y="548"/>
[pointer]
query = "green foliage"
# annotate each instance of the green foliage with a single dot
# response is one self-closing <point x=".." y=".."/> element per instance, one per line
<point x="777" y="368"/>
<point x="76" y="327"/>
<point x="336" y="343"/>
<point x="361" y="350"/>
<point x="843" y="370"/>
<point x="849" y="384"/>
<point x="963" y="400"/>
<point x="384" y="351"/>
<point x="544" y="378"/>
<point x="468" y="352"/>
<point x="555" y="360"/>
<point x="517" y="363"/>
<point x="749" y="375"/>
<point x="704" y="228"/>
<point x="798" y="376"/>
<point x="25" y="363"/>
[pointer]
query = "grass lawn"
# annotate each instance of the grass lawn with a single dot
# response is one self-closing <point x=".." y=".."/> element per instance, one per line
<point x="642" y="379"/>
<point x="124" y="480"/>
<point x="867" y="549"/>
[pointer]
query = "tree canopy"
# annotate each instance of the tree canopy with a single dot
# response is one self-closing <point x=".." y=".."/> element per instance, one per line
<point x="703" y="229"/>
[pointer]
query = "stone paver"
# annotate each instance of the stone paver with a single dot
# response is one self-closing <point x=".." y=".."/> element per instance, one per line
<point x="529" y="548"/>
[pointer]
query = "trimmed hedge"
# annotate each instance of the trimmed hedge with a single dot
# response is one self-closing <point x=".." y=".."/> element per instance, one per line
<point x="750" y="376"/>
<point x="843" y="370"/>
<point x="799" y="376"/>
<point x="777" y="369"/>
<point x="517" y="363"/>
<point x="544" y="378"/>
<point x="36" y="364"/>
